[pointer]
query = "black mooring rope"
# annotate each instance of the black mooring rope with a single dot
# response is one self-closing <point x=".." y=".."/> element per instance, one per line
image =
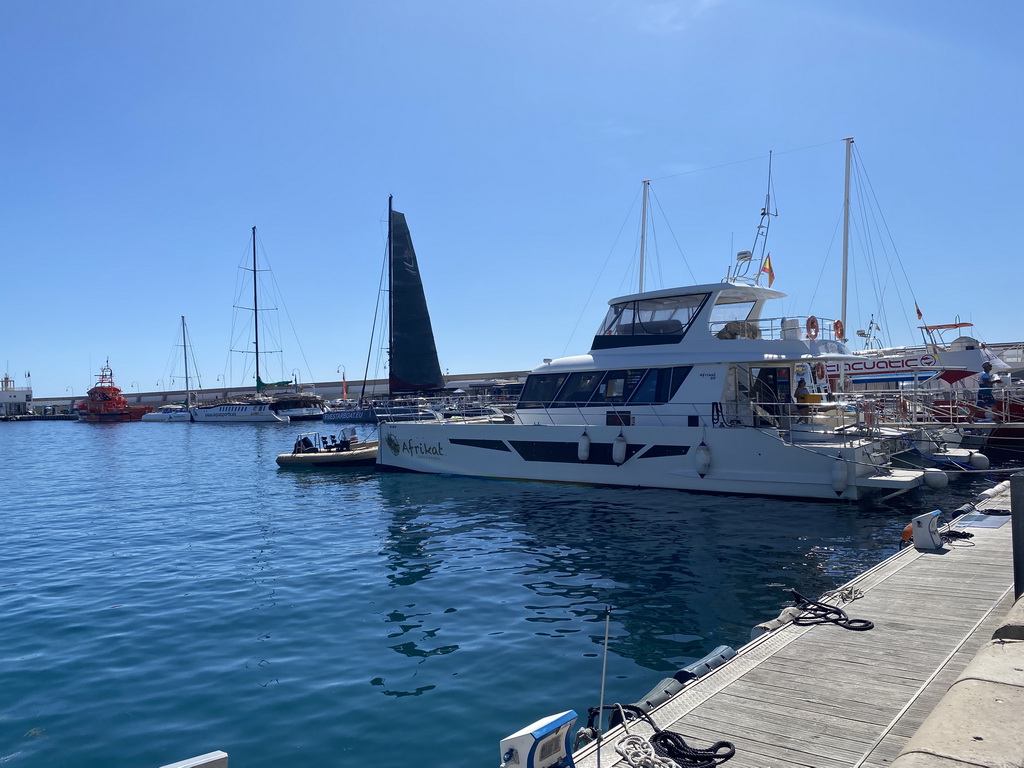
<point x="669" y="744"/>
<point x="951" y="535"/>
<point x="823" y="613"/>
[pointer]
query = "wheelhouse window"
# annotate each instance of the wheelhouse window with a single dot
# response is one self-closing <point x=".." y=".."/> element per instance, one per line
<point x="664" y="316"/>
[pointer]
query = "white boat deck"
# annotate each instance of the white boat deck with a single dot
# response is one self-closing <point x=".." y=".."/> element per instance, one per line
<point x="823" y="696"/>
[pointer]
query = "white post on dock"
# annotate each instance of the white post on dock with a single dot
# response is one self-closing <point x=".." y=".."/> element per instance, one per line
<point x="1017" y="531"/>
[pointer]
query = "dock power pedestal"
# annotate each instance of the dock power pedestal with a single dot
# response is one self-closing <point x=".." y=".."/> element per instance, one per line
<point x="926" y="531"/>
<point x="544" y="744"/>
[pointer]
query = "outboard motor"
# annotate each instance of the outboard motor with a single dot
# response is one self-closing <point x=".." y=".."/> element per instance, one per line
<point x="544" y="744"/>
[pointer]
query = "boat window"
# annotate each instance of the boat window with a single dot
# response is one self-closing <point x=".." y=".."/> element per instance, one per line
<point x="649" y="321"/>
<point x="638" y="385"/>
<point x="665" y="315"/>
<point x="660" y="385"/>
<point x="646" y="391"/>
<point x="732" y="319"/>
<point x="725" y="310"/>
<point x="540" y="389"/>
<point x="618" y="386"/>
<point x="578" y="388"/>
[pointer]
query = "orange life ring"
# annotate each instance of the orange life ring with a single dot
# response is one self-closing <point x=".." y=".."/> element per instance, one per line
<point x="839" y="329"/>
<point x="819" y="372"/>
<point x="812" y="327"/>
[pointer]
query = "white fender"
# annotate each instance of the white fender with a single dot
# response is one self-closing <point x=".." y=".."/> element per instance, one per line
<point x="979" y="461"/>
<point x="619" y="449"/>
<point x="583" y="449"/>
<point x="840" y="475"/>
<point x="703" y="458"/>
<point x="935" y="478"/>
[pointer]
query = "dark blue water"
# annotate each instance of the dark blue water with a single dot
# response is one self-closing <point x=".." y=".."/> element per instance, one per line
<point x="165" y="591"/>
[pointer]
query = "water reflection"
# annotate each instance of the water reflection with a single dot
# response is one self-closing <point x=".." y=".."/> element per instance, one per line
<point x="681" y="572"/>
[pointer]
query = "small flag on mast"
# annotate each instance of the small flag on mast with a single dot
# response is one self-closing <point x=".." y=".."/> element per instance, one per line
<point x="344" y="387"/>
<point x="918" y="309"/>
<point x="766" y="268"/>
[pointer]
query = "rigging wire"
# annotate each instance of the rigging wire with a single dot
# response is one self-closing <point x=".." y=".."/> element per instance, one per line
<point x="601" y="272"/>
<point x="675" y="239"/>
<point x="377" y="311"/>
<point x="747" y="160"/>
<point x="869" y="188"/>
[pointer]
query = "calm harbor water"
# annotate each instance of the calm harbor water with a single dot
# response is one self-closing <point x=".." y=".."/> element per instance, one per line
<point x="165" y="591"/>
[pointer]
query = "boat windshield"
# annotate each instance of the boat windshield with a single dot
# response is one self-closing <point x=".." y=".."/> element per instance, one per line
<point x="653" y="318"/>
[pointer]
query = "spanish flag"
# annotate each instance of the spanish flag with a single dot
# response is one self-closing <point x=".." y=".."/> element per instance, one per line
<point x="766" y="268"/>
<point x="919" y="315"/>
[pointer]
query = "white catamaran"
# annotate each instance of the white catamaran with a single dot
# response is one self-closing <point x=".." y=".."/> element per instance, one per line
<point x="688" y="388"/>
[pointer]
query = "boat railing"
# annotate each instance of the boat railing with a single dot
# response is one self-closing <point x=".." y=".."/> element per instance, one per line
<point x="955" y="406"/>
<point x="848" y="419"/>
<point x="801" y="327"/>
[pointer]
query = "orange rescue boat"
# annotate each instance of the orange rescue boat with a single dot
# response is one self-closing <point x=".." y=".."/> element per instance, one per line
<point x="105" y="402"/>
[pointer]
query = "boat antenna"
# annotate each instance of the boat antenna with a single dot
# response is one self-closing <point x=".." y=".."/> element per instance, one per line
<point x="741" y="270"/>
<point x="766" y="221"/>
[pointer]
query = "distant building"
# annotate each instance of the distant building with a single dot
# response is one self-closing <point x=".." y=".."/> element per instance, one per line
<point x="14" y="401"/>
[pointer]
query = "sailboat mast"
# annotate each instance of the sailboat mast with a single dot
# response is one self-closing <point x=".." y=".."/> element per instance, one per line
<point x="846" y="227"/>
<point x="643" y="234"/>
<point x="255" y="311"/>
<point x="184" y="354"/>
<point x="391" y="288"/>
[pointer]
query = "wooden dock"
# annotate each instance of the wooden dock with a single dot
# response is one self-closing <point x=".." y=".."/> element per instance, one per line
<point x="823" y="696"/>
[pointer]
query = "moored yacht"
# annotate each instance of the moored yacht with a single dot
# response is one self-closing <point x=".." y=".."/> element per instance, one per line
<point x="689" y="388"/>
<point x="251" y="409"/>
<point x="169" y="412"/>
<point x="300" y="406"/>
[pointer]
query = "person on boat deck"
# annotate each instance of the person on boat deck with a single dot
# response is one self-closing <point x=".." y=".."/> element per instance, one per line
<point x="985" y="383"/>
<point x="802" y="393"/>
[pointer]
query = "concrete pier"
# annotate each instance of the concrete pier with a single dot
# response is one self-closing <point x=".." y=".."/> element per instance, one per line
<point x="927" y="686"/>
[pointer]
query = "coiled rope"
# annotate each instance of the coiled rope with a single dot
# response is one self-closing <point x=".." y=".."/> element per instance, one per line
<point x="823" y="613"/>
<point x="664" y="749"/>
<point x="950" y="536"/>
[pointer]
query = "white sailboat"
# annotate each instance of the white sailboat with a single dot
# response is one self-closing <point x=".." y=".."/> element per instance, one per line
<point x="176" y="412"/>
<point x="250" y="408"/>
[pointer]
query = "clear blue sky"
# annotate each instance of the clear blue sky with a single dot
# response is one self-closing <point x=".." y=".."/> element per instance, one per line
<point x="140" y="142"/>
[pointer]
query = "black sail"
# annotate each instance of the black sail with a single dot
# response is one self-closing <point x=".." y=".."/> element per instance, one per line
<point x="413" y="360"/>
